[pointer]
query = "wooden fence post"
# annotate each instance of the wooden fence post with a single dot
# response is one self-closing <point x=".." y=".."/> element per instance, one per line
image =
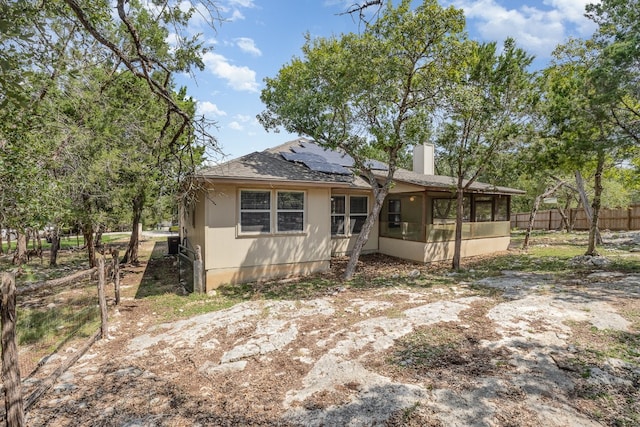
<point x="116" y="274"/>
<point x="198" y="271"/>
<point x="10" y="365"/>
<point x="102" y="300"/>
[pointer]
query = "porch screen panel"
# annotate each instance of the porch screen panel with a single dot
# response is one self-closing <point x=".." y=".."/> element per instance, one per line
<point x="484" y="211"/>
<point x="255" y="211"/>
<point x="290" y="213"/>
<point x="338" y="215"/>
<point x="444" y="210"/>
<point x="502" y="208"/>
<point x="394" y="216"/>
<point x="358" y="211"/>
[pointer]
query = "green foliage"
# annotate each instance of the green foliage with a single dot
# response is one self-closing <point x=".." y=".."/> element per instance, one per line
<point x="486" y="112"/>
<point x="91" y="118"/>
<point x="487" y="109"/>
<point x="616" y="74"/>
<point x="368" y="93"/>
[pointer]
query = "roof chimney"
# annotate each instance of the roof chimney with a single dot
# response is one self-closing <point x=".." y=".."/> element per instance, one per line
<point x="423" y="159"/>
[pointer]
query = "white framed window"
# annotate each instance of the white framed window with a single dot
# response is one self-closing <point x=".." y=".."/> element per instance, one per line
<point x="255" y="211"/>
<point x="271" y="211"/>
<point x="338" y="215"/>
<point x="358" y="211"/>
<point x="348" y="214"/>
<point x="290" y="211"/>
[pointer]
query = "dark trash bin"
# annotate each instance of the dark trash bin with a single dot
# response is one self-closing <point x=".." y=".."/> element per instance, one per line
<point x="173" y="242"/>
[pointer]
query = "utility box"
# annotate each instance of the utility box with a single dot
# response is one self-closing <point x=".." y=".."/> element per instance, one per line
<point x="173" y="242"/>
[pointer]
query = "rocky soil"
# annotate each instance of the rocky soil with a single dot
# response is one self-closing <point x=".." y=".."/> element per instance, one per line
<point x="514" y="349"/>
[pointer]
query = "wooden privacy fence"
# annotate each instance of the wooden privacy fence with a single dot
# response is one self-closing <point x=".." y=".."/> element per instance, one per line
<point x="13" y="367"/>
<point x="619" y="219"/>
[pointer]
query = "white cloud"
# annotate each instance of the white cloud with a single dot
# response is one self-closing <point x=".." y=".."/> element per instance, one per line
<point x="242" y="3"/>
<point x="209" y="108"/>
<point x="248" y="45"/>
<point x="232" y="7"/>
<point x="536" y="30"/>
<point x="236" y="16"/>
<point x="243" y="118"/>
<point x="172" y="39"/>
<point x="573" y="11"/>
<point x="239" y="78"/>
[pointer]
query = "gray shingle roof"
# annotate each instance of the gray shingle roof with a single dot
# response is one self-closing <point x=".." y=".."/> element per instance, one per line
<point x="441" y="182"/>
<point x="269" y="165"/>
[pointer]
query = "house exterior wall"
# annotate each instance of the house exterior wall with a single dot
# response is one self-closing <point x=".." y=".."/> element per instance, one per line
<point x="440" y="251"/>
<point x="193" y="219"/>
<point x="233" y="257"/>
<point x="343" y="245"/>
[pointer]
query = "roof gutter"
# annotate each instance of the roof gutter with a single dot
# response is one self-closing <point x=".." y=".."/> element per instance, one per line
<point x="270" y="182"/>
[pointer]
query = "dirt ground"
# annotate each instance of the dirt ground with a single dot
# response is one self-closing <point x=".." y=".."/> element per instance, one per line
<point x="513" y="349"/>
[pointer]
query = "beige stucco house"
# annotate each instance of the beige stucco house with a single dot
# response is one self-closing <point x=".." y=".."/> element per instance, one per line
<point x="287" y="210"/>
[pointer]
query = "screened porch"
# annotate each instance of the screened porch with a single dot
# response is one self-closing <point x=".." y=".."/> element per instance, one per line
<point x="430" y="216"/>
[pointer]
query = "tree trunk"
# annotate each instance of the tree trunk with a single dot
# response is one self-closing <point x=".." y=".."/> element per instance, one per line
<point x="366" y="230"/>
<point x="131" y="255"/>
<point x="55" y="247"/>
<point x="39" y="240"/>
<point x="87" y="233"/>
<point x="532" y="219"/>
<point x="594" y="232"/>
<point x="98" y="238"/>
<point x="536" y="205"/>
<point x="588" y="210"/>
<point x="20" y="256"/>
<point x="1" y="248"/>
<point x="8" y="241"/>
<point x="457" y="246"/>
<point x="565" y="221"/>
<point x="13" y="404"/>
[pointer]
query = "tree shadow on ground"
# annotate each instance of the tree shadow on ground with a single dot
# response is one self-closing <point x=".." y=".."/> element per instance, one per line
<point x="132" y="395"/>
<point x="161" y="274"/>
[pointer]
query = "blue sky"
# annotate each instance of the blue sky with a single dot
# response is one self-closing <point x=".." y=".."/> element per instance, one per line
<point x="258" y="37"/>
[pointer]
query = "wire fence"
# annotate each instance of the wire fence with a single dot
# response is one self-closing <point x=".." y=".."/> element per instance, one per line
<point x="49" y="319"/>
<point x="39" y="320"/>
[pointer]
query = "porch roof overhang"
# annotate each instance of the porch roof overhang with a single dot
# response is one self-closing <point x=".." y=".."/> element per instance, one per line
<point x="418" y="182"/>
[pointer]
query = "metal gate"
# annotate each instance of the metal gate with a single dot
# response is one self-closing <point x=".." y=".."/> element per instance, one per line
<point x="190" y="267"/>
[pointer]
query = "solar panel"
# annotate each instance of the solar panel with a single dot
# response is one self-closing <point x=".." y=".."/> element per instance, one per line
<point x="329" y="155"/>
<point x="339" y="159"/>
<point x="376" y="165"/>
<point x="309" y="148"/>
<point x="324" y="160"/>
<point x="326" y="167"/>
<point x="301" y="157"/>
